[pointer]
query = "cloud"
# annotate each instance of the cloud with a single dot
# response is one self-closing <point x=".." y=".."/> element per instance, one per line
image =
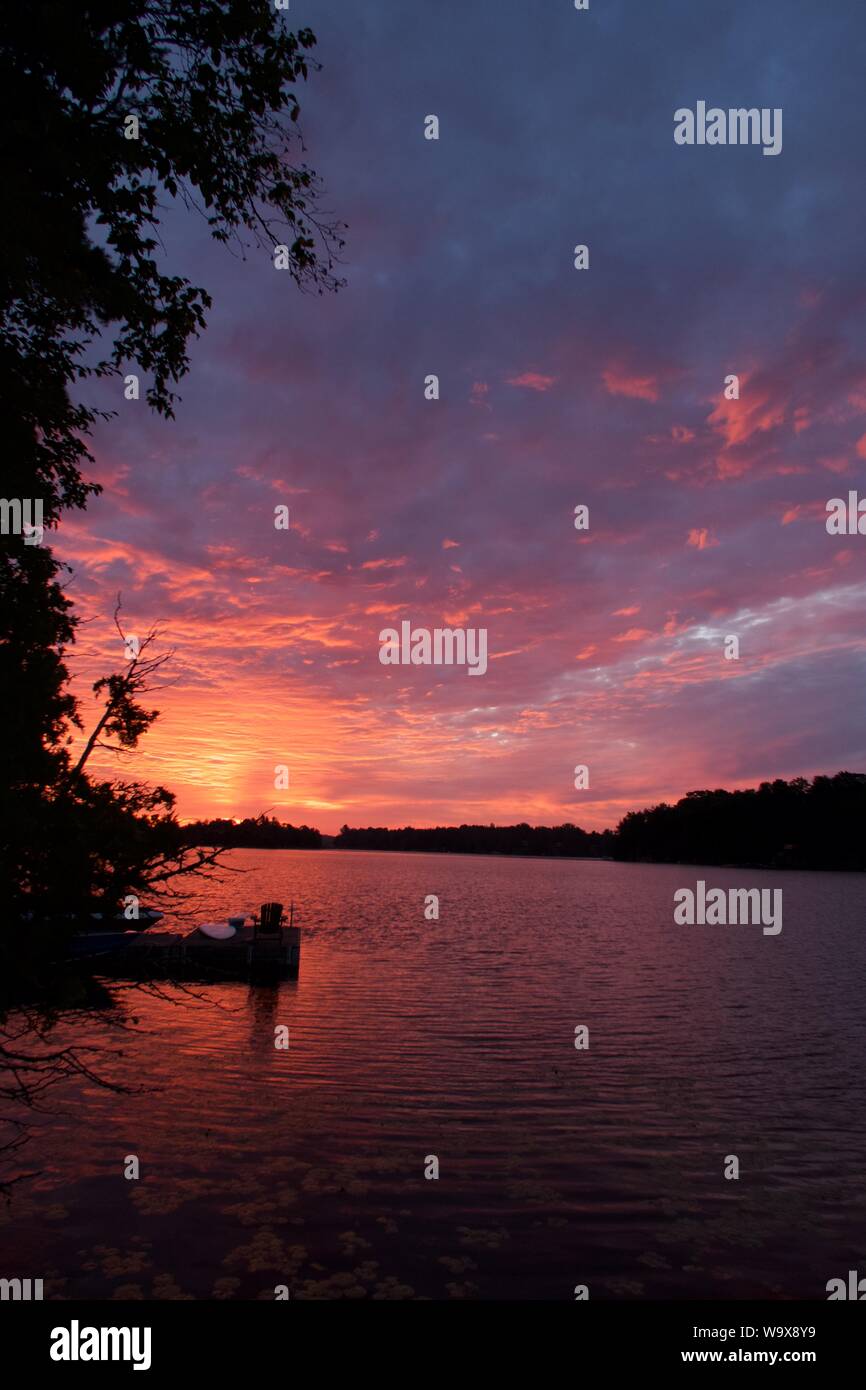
<point x="533" y="381"/>
<point x="393" y="563"/>
<point x="619" y="382"/>
<point x="746" y="426"/>
<point x="677" y="434"/>
<point x="701" y="539"/>
<point x="276" y="633"/>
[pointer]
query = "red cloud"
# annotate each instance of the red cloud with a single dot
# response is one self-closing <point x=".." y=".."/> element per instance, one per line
<point x="394" y="564"/>
<point x="815" y="510"/>
<point x="618" y="382"/>
<point x="701" y="539"/>
<point x="679" y="434"/>
<point x="754" y="413"/>
<point x="534" y="381"/>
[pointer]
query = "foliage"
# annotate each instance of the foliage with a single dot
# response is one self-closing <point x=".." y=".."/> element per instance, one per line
<point x="255" y="832"/>
<point x="212" y="85"/>
<point x="798" y="824"/>
<point x="558" y="841"/>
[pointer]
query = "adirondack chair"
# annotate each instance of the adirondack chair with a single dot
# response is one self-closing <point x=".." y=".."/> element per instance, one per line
<point x="267" y="943"/>
<point x="270" y="920"/>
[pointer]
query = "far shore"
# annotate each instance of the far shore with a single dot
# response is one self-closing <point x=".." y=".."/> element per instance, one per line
<point x="554" y="858"/>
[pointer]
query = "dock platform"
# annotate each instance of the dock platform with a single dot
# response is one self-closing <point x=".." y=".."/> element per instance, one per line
<point x="166" y="955"/>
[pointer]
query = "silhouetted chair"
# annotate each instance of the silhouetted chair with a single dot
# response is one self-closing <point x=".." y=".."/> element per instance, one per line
<point x="268" y="935"/>
<point x="270" y="920"/>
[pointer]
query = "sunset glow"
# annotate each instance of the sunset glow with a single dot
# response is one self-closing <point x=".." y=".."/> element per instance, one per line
<point x="557" y="387"/>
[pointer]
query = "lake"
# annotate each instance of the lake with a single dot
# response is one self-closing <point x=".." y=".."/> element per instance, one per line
<point x="413" y="1039"/>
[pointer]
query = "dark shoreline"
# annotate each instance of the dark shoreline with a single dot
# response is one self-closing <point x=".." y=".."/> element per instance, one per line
<point x="802" y="824"/>
<point x="569" y="858"/>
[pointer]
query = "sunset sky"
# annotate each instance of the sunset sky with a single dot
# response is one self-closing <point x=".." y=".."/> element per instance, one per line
<point x="558" y="387"/>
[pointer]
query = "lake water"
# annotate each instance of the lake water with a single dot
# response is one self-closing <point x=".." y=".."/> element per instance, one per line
<point x="455" y="1038"/>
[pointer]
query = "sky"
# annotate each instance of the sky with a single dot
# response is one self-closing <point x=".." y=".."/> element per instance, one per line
<point x="558" y="387"/>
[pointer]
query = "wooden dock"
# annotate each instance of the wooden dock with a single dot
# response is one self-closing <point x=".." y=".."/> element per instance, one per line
<point x="162" y="955"/>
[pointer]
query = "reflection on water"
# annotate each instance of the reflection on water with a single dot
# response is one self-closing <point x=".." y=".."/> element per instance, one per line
<point x="455" y="1038"/>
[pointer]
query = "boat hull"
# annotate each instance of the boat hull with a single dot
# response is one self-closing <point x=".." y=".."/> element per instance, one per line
<point x="87" y="945"/>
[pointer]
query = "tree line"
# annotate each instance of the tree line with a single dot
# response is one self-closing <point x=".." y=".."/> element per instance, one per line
<point x="255" y="832"/>
<point x="800" y="824"/>
<point x="557" y="841"/>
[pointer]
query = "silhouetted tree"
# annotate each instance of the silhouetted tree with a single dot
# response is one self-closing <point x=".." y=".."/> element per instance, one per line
<point x="797" y="824"/>
<point x="562" y="841"/>
<point x="255" y="832"/>
<point x="109" y="111"/>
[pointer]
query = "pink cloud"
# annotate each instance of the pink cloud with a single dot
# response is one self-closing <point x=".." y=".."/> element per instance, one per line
<point x="701" y="539"/>
<point x="386" y="564"/>
<point x="678" y="434"/>
<point x="815" y="510"/>
<point x="681" y="434"/>
<point x="619" y="382"/>
<point x="533" y="381"/>
<point x="754" y="413"/>
<point x="834" y="464"/>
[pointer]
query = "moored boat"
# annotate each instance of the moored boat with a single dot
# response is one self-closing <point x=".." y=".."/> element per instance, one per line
<point x="88" y="923"/>
<point x="85" y="945"/>
<point x="105" y="922"/>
